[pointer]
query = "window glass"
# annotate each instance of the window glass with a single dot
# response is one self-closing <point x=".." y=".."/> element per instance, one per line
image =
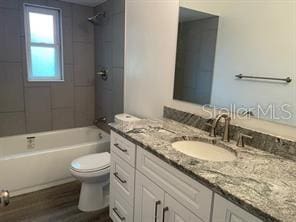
<point x="43" y="62"/>
<point x="41" y="28"/>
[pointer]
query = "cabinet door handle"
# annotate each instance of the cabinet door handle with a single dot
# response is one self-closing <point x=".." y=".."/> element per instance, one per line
<point x="163" y="213"/>
<point x="118" y="147"/>
<point x="121" y="180"/>
<point x="156" y="207"/>
<point x="118" y="215"/>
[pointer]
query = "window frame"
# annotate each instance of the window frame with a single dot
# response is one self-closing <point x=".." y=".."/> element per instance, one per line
<point x="57" y="45"/>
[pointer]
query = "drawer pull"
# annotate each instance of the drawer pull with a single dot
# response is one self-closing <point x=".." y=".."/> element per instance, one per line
<point x="121" y="180"/>
<point x="163" y="213"/>
<point x="156" y="207"/>
<point x="118" y="147"/>
<point x="118" y="215"/>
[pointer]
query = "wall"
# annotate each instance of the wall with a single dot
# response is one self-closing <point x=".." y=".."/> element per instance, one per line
<point x="109" y="38"/>
<point x="27" y="107"/>
<point x="151" y="36"/>
<point x="261" y="43"/>
<point x="151" y="46"/>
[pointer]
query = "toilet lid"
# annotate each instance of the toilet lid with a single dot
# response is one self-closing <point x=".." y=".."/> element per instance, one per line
<point x="92" y="162"/>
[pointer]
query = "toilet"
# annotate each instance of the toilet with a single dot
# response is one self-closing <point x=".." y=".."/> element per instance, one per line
<point x="93" y="172"/>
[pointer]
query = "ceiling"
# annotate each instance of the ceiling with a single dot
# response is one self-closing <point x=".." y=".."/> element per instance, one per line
<point x="92" y="3"/>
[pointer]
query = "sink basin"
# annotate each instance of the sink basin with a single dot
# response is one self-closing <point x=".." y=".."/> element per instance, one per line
<point x="204" y="151"/>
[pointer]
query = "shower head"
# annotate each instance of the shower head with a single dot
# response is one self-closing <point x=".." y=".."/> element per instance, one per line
<point x="94" y="19"/>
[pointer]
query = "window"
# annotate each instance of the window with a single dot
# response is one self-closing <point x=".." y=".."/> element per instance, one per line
<point x="43" y="43"/>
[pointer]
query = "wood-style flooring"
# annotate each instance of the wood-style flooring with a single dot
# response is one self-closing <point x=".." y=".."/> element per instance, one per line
<point x="57" y="204"/>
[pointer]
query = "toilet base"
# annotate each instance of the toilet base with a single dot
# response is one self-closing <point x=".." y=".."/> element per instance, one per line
<point x="93" y="196"/>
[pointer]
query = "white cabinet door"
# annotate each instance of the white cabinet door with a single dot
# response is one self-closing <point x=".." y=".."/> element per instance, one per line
<point x="175" y="212"/>
<point x="148" y="201"/>
<point x="225" y="211"/>
<point x="191" y="194"/>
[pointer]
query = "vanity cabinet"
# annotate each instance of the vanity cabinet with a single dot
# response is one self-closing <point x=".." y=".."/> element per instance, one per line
<point x="175" y="212"/>
<point x="145" y="188"/>
<point x="122" y="179"/>
<point x="149" y="200"/>
<point x="123" y="148"/>
<point x="225" y="211"/>
<point x="120" y="210"/>
<point x="152" y="204"/>
<point x="194" y="196"/>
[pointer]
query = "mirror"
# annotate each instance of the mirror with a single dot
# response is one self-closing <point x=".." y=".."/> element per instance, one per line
<point x="247" y="39"/>
<point x="197" y="35"/>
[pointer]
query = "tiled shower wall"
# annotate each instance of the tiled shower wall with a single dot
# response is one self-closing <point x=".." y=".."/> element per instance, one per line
<point x="109" y="38"/>
<point x="27" y="107"/>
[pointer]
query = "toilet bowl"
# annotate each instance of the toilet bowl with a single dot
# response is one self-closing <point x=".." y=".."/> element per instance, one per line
<point x="93" y="172"/>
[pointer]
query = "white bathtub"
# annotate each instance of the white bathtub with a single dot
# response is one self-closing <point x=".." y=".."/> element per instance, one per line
<point x="28" y="164"/>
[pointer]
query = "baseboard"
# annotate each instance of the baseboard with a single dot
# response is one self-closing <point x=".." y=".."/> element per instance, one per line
<point x="40" y="187"/>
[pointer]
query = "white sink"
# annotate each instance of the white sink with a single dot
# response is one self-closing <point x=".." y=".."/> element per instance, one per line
<point x="204" y="151"/>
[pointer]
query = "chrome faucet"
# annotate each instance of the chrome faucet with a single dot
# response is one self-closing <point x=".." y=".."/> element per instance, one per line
<point x="214" y="124"/>
<point x="241" y="139"/>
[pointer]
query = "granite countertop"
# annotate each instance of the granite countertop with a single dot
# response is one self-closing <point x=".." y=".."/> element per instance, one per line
<point x="259" y="182"/>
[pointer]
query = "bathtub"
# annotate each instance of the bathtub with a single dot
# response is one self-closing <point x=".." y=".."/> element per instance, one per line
<point x="36" y="161"/>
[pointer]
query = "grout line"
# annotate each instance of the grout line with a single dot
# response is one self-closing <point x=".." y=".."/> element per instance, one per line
<point x="60" y="108"/>
<point x="8" y="112"/>
<point x="23" y="78"/>
<point x="85" y="42"/>
<point x="10" y="62"/>
<point x="50" y="105"/>
<point x="73" y="67"/>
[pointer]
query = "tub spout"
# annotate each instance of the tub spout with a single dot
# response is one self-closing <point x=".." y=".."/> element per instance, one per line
<point x="101" y="120"/>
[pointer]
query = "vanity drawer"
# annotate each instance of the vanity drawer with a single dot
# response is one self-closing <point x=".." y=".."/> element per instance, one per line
<point x="120" y="210"/>
<point x="191" y="194"/>
<point x="123" y="148"/>
<point x="122" y="178"/>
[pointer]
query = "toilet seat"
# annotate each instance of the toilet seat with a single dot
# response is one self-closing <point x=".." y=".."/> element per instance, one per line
<point x="91" y="163"/>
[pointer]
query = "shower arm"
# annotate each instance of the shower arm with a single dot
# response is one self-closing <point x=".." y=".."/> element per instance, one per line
<point x="93" y="19"/>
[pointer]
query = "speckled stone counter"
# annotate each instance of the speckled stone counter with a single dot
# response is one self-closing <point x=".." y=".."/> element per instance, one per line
<point x="259" y="182"/>
<point x="261" y="140"/>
